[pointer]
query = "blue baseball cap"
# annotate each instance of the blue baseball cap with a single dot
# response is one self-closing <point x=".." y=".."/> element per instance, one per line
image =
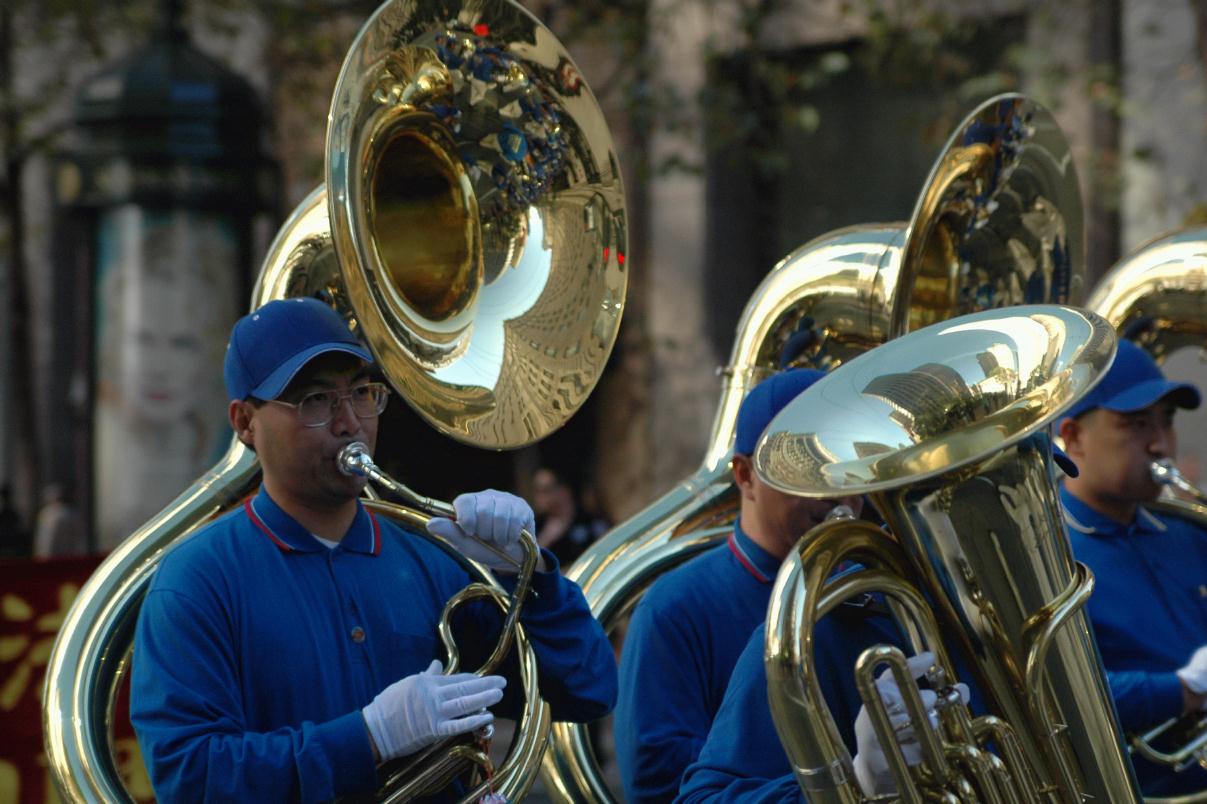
<point x="767" y="399"/>
<point x="1133" y="382"/>
<point x="269" y="346"/>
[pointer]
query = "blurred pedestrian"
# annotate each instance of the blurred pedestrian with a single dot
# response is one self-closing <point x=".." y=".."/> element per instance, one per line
<point x="563" y="524"/>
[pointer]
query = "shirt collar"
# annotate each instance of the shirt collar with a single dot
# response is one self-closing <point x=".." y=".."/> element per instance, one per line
<point x="1084" y="519"/>
<point x="754" y="559"/>
<point x="364" y="536"/>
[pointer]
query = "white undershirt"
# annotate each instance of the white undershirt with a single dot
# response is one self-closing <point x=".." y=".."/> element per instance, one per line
<point x="327" y="542"/>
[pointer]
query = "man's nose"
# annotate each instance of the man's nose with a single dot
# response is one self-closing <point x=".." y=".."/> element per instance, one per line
<point x="345" y="420"/>
<point x="1162" y="440"/>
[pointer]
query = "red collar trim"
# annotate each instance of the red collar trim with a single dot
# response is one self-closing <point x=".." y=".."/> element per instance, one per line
<point x="376" y="532"/>
<point x="259" y="523"/>
<point x="267" y="531"/>
<point x="745" y="561"/>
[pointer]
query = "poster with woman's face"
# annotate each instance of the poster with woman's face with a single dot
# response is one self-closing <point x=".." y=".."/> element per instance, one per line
<point x="166" y="298"/>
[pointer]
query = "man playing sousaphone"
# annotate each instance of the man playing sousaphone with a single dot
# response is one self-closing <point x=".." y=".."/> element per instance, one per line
<point x="743" y="759"/>
<point x="287" y="648"/>
<point x="945" y="429"/>
<point x="690" y="627"/>
<point x="735" y="754"/>
<point x="1149" y="607"/>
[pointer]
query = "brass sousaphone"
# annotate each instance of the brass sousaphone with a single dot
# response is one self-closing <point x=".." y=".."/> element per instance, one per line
<point x="946" y="431"/>
<point x="1157" y="297"/>
<point x="1158" y="293"/>
<point x="472" y="232"/>
<point x="998" y="223"/>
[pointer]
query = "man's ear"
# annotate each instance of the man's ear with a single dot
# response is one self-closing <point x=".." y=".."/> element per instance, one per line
<point x="743" y="473"/>
<point x="1070" y="433"/>
<point x="242" y="418"/>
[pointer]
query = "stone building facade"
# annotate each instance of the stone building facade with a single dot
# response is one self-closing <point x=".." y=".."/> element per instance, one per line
<point x="702" y="237"/>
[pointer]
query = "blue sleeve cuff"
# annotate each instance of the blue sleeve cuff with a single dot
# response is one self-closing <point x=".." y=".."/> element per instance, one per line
<point x="1167" y="695"/>
<point x="543" y="583"/>
<point x="350" y="751"/>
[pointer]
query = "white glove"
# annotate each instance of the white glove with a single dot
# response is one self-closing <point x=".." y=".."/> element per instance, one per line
<point x="494" y="517"/>
<point x="427" y="707"/>
<point x="1194" y="674"/>
<point x="871" y="766"/>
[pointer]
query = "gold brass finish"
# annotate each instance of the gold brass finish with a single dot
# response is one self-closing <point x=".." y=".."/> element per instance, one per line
<point x="353" y="459"/>
<point x="474" y="236"/>
<point x="476" y="204"/>
<point x="946" y="431"/>
<point x="998" y="223"/>
<point x="1160" y="291"/>
<point x="436" y="766"/>
<point x="921" y="407"/>
<point x="974" y="773"/>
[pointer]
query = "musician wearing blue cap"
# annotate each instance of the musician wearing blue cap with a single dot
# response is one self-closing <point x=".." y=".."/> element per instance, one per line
<point x="743" y="760"/>
<point x="1149" y="606"/>
<point x="689" y="628"/>
<point x="289" y="647"/>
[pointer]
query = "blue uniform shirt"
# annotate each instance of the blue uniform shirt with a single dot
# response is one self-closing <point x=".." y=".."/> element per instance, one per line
<point x="683" y="640"/>
<point x="257" y="647"/>
<point x="743" y="759"/>
<point x="1149" y="611"/>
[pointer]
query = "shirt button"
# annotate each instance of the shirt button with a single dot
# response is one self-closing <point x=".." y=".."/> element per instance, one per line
<point x="358" y="634"/>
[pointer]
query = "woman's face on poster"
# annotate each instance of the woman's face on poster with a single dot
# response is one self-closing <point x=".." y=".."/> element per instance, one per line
<point x="165" y="363"/>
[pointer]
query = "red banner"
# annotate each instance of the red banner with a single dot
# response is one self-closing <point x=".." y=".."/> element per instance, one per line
<point x="34" y="599"/>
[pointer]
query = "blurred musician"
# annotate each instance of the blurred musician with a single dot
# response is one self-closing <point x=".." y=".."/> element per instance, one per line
<point x="286" y="649"/>
<point x="1149" y="606"/>
<point x="689" y="628"/>
<point x="743" y="759"/>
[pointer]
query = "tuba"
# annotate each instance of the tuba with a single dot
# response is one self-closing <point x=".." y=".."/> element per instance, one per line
<point x="472" y="232"/>
<point x="945" y="430"/>
<point x="998" y="223"/>
<point x="1156" y="296"/>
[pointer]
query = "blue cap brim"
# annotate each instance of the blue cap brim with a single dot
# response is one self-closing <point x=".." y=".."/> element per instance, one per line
<point x="1065" y="462"/>
<point x="1143" y="394"/>
<point x="274" y="384"/>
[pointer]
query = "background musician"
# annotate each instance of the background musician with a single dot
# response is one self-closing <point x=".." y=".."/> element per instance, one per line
<point x="290" y="646"/>
<point x="1149" y="606"/>
<point x="743" y="759"/>
<point x="689" y="628"/>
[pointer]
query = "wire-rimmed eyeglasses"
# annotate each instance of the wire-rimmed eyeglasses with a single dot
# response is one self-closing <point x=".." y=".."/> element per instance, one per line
<point x="318" y="408"/>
